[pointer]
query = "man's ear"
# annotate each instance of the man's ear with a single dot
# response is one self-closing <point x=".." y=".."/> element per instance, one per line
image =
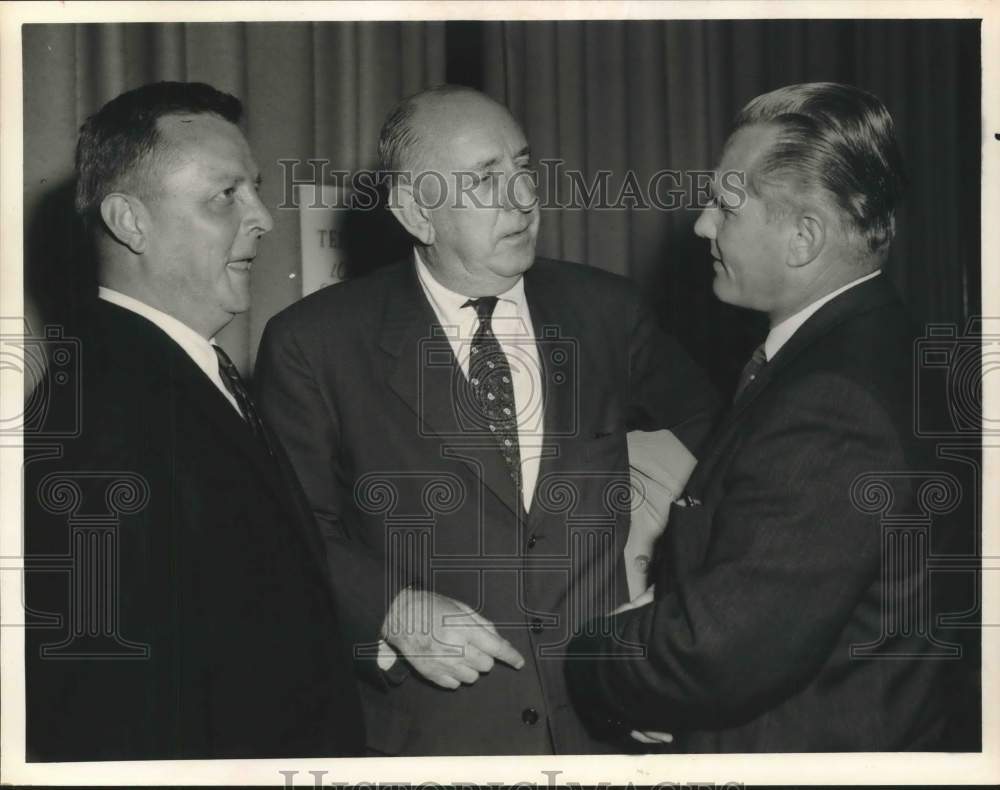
<point x="125" y="216"/>
<point x="808" y="238"/>
<point x="411" y="215"/>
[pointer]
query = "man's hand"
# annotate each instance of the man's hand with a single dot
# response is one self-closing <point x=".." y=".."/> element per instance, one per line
<point x="651" y="737"/>
<point x="444" y="640"/>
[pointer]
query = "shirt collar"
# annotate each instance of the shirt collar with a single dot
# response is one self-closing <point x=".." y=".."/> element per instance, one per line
<point x="448" y="304"/>
<point x="197" y="347"/>
<point x="782" y="333"/>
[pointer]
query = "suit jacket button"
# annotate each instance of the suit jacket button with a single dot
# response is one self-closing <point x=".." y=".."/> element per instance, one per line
<point x="529" y="716"/>
<point x="532" y="540"/>
<point x="536" y="625"/>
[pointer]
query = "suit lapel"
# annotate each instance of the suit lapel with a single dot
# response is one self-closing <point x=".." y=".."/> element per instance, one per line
<point x="556" y="330"/>
<point x="425" y="375"/>
<point x="862" y="298"/>
<point x="151" y="353"/>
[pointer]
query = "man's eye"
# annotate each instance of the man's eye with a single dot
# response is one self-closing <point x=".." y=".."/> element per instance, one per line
<point x="716" y="202"/>
<point x="228" y="193"/>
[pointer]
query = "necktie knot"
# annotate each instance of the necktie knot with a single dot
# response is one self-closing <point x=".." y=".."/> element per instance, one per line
<point x="484" y="307"/>
<point x="225" y="363"/>
<point x="751" y="370"/>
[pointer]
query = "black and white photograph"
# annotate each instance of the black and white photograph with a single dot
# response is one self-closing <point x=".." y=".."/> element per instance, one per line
<point x="560" y="393"/>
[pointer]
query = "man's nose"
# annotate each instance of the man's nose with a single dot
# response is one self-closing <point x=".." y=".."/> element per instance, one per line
<point x="258" y="218"/>
<point x="705" y="226"/>
<point x="521" y="193"/>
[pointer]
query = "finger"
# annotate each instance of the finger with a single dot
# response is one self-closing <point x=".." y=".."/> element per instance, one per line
<point x="442" y="679"/>
<point x="498" y="647"/>
<point x="482" y="621"/>
<point x="652" y="736"/>
<point x="477" y="659"/>
<point x="464" y="673"/>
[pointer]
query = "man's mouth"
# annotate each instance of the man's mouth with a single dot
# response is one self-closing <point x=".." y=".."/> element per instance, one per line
<point x="240" y="265"/>
<point x="516" y="235"/>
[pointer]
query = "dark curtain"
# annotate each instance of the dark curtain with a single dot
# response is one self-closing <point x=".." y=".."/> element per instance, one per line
<point x="601" y="96"/>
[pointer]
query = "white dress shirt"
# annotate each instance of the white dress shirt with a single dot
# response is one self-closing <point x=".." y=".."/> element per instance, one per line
<point x="780" y="334"/>
<point x="195" y="346"/>
<point x="513" y="329"/>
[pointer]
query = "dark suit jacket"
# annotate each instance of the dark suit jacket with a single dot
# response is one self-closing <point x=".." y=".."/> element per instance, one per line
<point x="771" y="629"/>
<point x="366" y="395"/>
<point x="225" y="642"/>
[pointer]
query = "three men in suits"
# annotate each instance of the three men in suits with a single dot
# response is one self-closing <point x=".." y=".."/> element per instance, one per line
<point x="458" y="421"/>
<point x="772" y="625"/>
<point x="191" y="616"/>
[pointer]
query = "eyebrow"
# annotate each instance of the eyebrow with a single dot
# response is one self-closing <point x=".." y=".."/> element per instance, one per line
<point x="228" y="175"/>
<point x="494" y="161"/>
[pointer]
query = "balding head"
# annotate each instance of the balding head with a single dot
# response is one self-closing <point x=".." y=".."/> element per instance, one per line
<point x="412" y="124"/>
<point x="461" y="184"/>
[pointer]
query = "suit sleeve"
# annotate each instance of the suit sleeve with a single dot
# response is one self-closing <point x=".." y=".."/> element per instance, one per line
<point x="308" y="428"/>
<point x="667" y="389"/>
<point x="787" y="561"/>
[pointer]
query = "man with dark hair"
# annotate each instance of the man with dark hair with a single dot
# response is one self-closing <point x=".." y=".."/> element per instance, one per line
<point x="459" y="424"/>
<point x="196" y="620"/>
<point x="772" y="626"/>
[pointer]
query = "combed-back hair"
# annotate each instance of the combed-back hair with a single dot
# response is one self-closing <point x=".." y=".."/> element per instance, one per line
<point x="120" y="144"/>
<point x="837" y="140"/>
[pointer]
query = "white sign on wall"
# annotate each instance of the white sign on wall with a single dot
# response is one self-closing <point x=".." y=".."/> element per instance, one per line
<point x="321" y="231"/>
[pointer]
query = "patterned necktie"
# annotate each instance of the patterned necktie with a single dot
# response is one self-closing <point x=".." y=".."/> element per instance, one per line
<point x="751" y="370"/>
<point x="234" y="383"/>
<point x="493" y="386"/>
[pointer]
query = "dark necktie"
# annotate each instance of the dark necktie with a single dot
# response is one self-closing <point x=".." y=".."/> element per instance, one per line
<point x="751" y="370"/>
<point x="493" y="386"/>
<point x="234" y="383"/>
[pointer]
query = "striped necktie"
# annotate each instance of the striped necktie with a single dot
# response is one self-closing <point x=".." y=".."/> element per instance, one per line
<point x="751" y="370"/>
<point x="234" y="383"/>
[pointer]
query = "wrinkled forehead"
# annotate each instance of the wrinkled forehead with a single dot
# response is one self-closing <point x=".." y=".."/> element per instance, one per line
<point x="462" y="131"/>
<point x="204" y="138"/>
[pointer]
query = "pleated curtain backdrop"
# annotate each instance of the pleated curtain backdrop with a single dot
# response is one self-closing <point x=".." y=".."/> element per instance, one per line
<point x="617" y="97"/>
<point x="644" y="96"/>
<point x="310" y="90"/>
